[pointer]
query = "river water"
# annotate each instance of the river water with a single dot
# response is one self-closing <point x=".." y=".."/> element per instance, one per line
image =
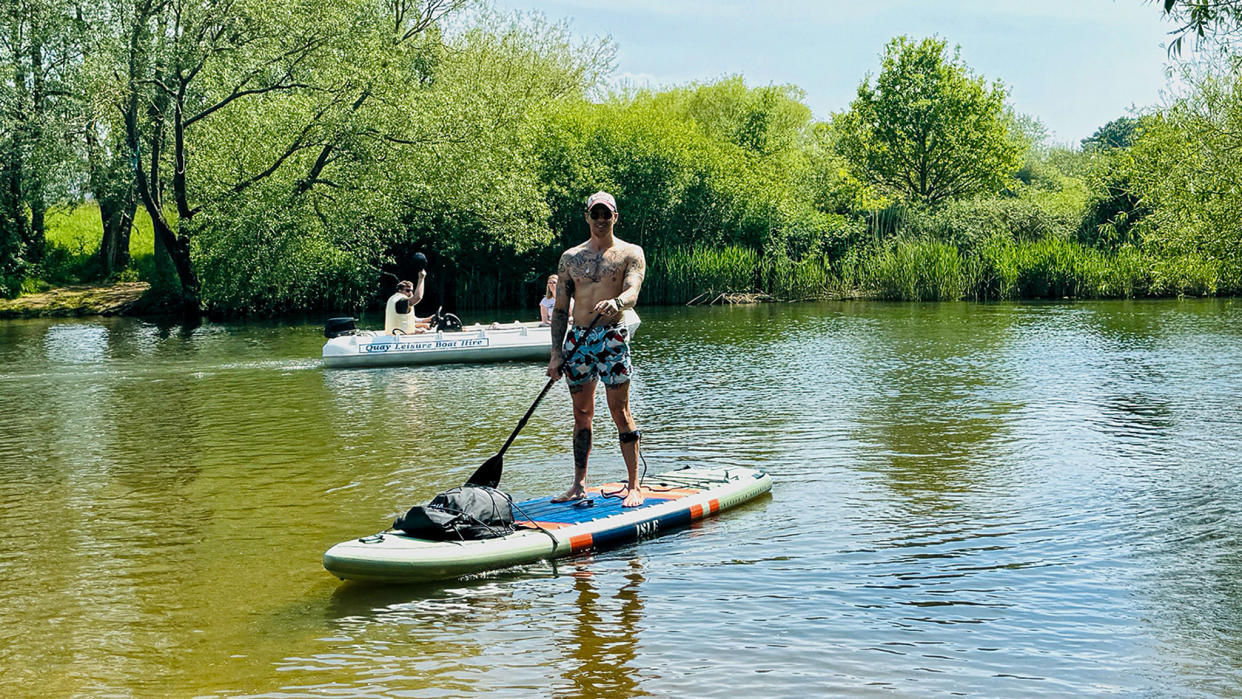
<point x="999" y="499"/>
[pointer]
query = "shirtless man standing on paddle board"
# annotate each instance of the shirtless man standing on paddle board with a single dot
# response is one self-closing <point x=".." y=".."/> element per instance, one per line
<point x="602" y="276"/>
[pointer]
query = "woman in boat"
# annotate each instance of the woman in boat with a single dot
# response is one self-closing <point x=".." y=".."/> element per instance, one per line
<point x="548" y="301"/>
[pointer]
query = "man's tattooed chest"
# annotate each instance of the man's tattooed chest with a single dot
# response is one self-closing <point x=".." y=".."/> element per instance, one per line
<point x="587" y="266"/>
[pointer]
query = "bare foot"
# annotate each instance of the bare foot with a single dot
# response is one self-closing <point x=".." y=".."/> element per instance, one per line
<point x="633" y="498"/>
<point x="575" y="493"/>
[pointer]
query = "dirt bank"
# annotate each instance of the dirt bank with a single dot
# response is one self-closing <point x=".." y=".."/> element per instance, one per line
<point x="77" y="300"/>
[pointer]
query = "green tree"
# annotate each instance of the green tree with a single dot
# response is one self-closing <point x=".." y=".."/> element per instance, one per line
<point x="40" y="59"/>
<point x="1186" y="168"/>
<point x="765" y="120"/>
<point x="438" y="157"/>
<point x="179" y="63"/>
<point x="1118" y="133"/>
<point x="928" y="130"/>
<point x="1114" y="210"/>
<point x="1202" y="19"/>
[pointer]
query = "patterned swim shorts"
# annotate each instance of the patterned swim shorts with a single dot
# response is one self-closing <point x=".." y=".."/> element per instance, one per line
<point x="604" y="354"/>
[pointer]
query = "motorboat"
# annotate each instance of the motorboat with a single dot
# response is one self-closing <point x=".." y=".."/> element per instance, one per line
<point x="447" y="342"/>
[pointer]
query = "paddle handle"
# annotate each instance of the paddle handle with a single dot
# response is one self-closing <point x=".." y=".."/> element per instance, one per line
<point x="548" y="386"/>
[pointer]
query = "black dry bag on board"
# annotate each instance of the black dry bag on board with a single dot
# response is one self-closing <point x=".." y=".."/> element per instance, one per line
<point x="464" y="513"/>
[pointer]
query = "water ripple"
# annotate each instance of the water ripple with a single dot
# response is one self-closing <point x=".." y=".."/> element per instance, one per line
<point x="996" y="499"/>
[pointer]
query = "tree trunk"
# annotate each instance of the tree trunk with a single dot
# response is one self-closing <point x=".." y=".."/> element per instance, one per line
<point x="36" y="239"/>
<point x="113" y="188"/>
<point x="179" y="188"/>
<point x="14" y="210"/>
<point x="124" y="227"/>
<point x="36" y="244"/>
<point x="117" y="216"/>
<point x="11" y="235"/>
<point x="112" y="183"/>
<point x="177" y="246"/>
<point x="107" y="244"/>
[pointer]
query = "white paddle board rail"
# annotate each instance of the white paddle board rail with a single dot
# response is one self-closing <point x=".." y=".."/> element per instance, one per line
<point x="674" y="500"/>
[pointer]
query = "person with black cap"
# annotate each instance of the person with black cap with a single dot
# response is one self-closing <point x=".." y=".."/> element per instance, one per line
<point x="399" y="309"/>
<point x="601" y="277"/>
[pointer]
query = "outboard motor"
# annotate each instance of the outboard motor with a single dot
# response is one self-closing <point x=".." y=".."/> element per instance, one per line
<point x="335" y="327"/>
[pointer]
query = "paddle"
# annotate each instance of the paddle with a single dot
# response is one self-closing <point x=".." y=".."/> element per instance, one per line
<point x="488" y="475"/>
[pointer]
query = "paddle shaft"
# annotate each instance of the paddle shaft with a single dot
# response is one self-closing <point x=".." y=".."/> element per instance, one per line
<point x="547" y="387"/>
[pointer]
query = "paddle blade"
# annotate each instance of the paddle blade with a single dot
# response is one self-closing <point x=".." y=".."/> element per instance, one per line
<point x="488" y="475"/>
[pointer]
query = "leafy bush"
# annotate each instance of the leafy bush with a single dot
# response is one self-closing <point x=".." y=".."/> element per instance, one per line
<point x="268" y="261"/>
<point x="1186" y="275"/>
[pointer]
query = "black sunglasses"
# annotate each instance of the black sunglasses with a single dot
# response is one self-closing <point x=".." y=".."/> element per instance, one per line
<point x="600" y="212"/>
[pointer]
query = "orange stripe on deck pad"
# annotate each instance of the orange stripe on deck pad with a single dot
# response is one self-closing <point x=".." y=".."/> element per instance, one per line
<point x="668" y="493"/>
<point x="653" y="491"/>
<point x="535" y="525"/>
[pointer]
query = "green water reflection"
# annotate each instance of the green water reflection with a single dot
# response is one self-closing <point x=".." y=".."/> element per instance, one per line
<point x="1002" y="499"/>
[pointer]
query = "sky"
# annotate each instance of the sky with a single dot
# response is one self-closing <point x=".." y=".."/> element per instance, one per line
<point x="1073" y="64"/>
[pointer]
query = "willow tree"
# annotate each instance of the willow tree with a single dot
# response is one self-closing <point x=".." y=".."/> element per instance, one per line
<point x="1186" y="168"/>
<point x="1205" y="20"/>
<point x="431" y="152"/>
<point x="40" y="57"/>
<point x="928" y="129"/>
<point x="186" y="71"/>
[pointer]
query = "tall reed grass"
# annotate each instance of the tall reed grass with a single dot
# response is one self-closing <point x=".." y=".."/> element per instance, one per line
<point x="678" y="275"/>
<point x="912" y="268"/>
<point x="919" y="269"/>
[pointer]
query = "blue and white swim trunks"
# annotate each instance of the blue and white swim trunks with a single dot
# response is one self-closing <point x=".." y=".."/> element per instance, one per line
<point x="604" y="354"/>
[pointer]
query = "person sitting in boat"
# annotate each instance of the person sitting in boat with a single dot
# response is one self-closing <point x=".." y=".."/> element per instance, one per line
<point x="399" y="310"/>
<point x="548" y="301"/>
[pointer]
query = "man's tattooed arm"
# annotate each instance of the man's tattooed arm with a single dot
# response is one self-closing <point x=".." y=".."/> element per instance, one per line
<point x="560" y="310"/>
<point x="633" y="282"/>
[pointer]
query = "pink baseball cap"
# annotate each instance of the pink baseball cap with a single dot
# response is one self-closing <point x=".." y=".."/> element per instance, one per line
<point x="602" y="198"/>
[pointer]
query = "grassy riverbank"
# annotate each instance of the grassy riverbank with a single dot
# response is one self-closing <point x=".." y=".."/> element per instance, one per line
<point x="68" y="282"/>
<point x="76" y="300"/>
<point x="906" y="268"/>
<point x="73" y="235"/>
<point x="920" y="269"/>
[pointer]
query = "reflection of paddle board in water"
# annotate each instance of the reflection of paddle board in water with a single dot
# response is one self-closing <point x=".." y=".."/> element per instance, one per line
<point x="550" y="530"/>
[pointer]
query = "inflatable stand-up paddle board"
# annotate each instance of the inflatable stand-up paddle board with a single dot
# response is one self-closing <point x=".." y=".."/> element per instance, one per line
<point x="550" y="530"/>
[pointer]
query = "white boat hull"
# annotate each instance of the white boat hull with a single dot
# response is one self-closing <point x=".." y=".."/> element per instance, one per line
<point x="513" y="342"/>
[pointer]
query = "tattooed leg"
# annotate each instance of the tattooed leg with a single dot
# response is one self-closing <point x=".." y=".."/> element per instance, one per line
<point x="582" y="450"/>
<point x="584" y="412"/>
